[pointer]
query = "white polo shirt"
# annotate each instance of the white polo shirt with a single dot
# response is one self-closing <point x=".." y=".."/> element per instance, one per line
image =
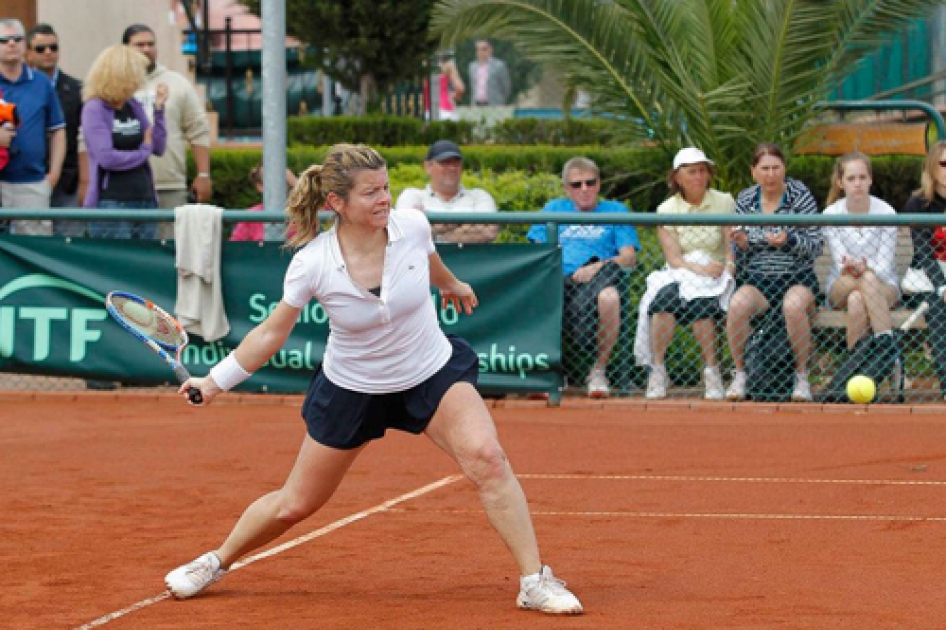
<point x="376" y="345"/>
<point x="467" y="200"/>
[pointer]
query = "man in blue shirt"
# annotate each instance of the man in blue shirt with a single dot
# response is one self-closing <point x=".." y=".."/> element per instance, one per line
<point x="40" y="139"/>
<point x="594" y="261"/>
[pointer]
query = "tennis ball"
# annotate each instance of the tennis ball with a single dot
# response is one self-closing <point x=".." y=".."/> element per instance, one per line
<point x="141" y="315"/>
<point x="861" y="389"/>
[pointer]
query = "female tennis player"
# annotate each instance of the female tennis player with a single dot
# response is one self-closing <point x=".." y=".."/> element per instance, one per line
<point x="387" y="365"/>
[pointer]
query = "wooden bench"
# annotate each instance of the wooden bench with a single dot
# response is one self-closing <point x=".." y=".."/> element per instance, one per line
<point x="826" y="317"/>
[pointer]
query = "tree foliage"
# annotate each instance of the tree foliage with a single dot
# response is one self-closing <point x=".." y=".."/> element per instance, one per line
<point x="378" y="41"/>
<point x="723" y="75"/>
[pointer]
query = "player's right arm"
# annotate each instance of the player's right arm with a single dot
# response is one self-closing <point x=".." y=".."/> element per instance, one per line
<point x="256" y="348"/>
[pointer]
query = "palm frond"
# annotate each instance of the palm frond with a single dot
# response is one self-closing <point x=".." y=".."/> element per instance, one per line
<point x="723" y="75"/>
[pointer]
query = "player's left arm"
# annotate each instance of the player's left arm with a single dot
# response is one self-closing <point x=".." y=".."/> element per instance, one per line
<point x="452" y="290"/>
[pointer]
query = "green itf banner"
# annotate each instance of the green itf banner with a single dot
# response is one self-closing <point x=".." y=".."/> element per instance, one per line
<point x="53" y="319"/>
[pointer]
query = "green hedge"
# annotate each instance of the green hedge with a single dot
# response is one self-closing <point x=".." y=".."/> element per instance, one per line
<point x="633" y="175"/>
<point x="549" y="131"/>
<point x="382" y="131"/>
<point x="392" y="131"/>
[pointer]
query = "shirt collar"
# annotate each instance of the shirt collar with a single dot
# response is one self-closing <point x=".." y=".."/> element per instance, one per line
<point x="395" y="233"/>
<point x="460" y="193"/>
<point x="706" y="204"/>
<point x="25" y="75"/>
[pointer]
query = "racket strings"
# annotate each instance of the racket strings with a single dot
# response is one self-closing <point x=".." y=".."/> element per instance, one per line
<point x="149" y="321"/>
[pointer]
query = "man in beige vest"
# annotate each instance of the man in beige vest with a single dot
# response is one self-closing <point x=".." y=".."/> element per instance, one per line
<point x="186" y="122"/>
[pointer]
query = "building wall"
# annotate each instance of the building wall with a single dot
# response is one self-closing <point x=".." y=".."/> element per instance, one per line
<point x="87" y="27"/>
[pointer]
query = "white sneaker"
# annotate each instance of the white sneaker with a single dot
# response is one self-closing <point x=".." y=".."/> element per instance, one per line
<point x="192" y="578"/>
<point x="737" y="389"/>
<point x="657" y="383"/>
<point x="713" y="382"/>
<point x="598" y="385"/>
<point x="802" y="391"/>
<point x="546" y="593"/>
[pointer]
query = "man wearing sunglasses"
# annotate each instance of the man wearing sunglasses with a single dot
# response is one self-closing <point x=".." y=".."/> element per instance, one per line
<point x="38" y="146"/>
<point x="595" y="259"/>
<point x="43" y="55"/>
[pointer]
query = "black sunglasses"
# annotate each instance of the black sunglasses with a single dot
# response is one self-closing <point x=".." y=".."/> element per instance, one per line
<point x="942" y="162"/>
<point x="16" y="39"/>
<point x="42" y="48"/>
<point x="589" y="183"/>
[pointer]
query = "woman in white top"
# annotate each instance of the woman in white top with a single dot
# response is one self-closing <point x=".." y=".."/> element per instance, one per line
<point x="689" y="183"/>
<point x="387" y="365"/>
<point x="863" y="279"/>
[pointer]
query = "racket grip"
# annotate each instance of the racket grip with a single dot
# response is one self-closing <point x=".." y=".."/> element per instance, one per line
<point x="193" y="394"/>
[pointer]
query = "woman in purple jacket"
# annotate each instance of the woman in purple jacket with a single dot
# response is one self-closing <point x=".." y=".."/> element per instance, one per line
<point x="119" y="139"/>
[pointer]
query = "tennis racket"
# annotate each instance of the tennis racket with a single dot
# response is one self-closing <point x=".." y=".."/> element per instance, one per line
<point x="151" y="324"/>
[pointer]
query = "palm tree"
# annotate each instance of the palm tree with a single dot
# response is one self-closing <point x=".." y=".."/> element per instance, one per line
<point x="722" y="75"/>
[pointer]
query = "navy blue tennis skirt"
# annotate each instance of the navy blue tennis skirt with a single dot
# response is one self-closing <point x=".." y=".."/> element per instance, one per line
<point x="345" y="419"/>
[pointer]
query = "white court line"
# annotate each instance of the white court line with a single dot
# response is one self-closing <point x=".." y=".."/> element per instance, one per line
<point x="382" y="507"/>
<point x="721" y="515"/>
<point x="866" y="482"/>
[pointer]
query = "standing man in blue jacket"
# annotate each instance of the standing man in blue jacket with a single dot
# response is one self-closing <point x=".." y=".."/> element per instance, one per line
<point x="38" y="145"/>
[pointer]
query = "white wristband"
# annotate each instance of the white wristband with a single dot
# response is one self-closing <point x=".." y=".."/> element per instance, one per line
<point x="229" y="373"/>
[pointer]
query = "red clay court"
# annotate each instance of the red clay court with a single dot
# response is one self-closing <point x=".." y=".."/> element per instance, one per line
<point x="671" y="515"/>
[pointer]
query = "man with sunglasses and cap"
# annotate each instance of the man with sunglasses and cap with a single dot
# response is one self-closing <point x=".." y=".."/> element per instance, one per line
<point x="43" y="55"/>
<point x="445" y="193"/>
<point x="595" y="259"/>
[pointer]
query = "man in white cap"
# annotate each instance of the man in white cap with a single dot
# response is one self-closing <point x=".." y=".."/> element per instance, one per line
<point x="445" y="193"/>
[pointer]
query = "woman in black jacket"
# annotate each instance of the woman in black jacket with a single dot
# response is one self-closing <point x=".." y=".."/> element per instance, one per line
<point x="929" y="251"/>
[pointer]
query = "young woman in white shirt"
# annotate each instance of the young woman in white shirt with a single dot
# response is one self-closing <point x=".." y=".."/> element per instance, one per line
<point x="863" y="279"/>
<point x="387" y="365"/>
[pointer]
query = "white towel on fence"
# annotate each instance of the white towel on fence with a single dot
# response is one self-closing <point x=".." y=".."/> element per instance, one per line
<point x="197" y="236"/>
<point x="692" y="286"/>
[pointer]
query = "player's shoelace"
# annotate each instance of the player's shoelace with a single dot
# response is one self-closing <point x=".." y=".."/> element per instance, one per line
<point x="201" y="572"/>
<point x="550" y="586"/>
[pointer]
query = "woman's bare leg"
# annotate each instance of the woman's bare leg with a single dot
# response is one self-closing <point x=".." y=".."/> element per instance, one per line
<point x="463" y="428"/>
<point x="745" y="305"/>
<point x="661" y="334"/>
<point x="798" y="308"/>
<point x="316" y="475"/>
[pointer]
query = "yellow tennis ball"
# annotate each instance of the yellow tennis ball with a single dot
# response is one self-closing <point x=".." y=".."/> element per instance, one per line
<point x="861" y="389"/>
<point x="141" y="315"/>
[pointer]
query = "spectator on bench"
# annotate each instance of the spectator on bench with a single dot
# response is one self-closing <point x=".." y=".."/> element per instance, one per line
<point x="776" y="266"/>
<point x="863" y="277"/>
<point x="689" y="183"/>
<point x="594" y="259"/>
<point x="929" y="251"/>
<point x="445" y="193"/>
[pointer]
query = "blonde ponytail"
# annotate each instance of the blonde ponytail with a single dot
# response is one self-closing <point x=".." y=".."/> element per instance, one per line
<point x="305" y="201"/>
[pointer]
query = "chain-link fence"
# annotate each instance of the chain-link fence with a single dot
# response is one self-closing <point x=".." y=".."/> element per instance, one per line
<point x="782" y="322"/>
